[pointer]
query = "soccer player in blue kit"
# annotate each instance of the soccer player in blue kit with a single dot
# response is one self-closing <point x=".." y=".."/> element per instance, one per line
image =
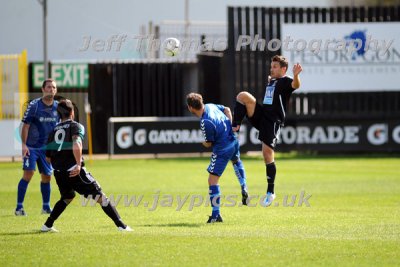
<point x="215" y="123"/>
<point x="39" y="120"/>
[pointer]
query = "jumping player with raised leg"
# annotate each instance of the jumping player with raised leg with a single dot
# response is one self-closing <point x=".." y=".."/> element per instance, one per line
<point x="269" y="117"/>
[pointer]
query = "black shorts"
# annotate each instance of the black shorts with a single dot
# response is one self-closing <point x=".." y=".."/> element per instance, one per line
<point x="84" y="184"/>
<point x="268" y="130"/>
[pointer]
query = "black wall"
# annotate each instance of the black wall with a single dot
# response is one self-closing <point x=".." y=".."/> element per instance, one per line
<point x="131" y="90"/>
<point x="248" y="70"/>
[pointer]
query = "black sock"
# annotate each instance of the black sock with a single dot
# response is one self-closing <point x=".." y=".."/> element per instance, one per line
<point x="112" y="212"/>
<point x="238" y="114"/>
<point x="271" y="172"/>
<point x="57" y="210"/>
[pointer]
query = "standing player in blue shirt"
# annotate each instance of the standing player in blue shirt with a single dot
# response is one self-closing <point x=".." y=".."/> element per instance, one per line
<point x="39" y="120"/>
<point x="215" y="123"/>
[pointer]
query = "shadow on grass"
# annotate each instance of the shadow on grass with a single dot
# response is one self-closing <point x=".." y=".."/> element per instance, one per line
<point x="174" y="225"/>
<point x="8" y="215"/>
<point x="32" y="232"/>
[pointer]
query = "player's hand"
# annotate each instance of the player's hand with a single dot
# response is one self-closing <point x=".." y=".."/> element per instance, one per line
<point x="75" y="171"/>
<point x="25" y="151"/>
<point x="236" y="128"/>
<point x="297" y="68"/>
<point x="207" y="144"/>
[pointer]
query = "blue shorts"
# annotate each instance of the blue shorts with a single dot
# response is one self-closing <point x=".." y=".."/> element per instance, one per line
<point x="220" y="159"/>
<point x="37" y="155"/>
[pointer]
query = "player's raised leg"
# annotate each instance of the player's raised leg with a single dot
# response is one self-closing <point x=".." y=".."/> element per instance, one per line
<point x="245" y="106"/>
<point x="268" y="154"/>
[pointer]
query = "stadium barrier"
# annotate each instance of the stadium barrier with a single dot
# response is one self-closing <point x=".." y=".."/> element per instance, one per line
<point x="155" y="135"/>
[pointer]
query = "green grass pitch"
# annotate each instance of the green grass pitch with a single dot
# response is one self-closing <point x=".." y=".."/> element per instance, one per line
<point x="353" y="218"/>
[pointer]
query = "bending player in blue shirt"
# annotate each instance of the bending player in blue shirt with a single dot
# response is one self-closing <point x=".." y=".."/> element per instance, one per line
<point x="215" y="123"/>
<point x="39" y="120"/>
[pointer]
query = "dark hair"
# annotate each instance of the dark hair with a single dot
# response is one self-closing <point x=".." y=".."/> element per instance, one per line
<point x="281" y="60"/>
<point x="65" y="108"/>
<point x="47" y="80"/>
<point x="194" y="100"/>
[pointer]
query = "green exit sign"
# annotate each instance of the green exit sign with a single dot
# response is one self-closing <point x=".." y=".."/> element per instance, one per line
<point x="66" y="75"/>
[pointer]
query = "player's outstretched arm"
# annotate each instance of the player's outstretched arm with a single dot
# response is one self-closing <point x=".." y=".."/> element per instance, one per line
<point x="297" y="68"/>
<point x="228" y="113"/>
